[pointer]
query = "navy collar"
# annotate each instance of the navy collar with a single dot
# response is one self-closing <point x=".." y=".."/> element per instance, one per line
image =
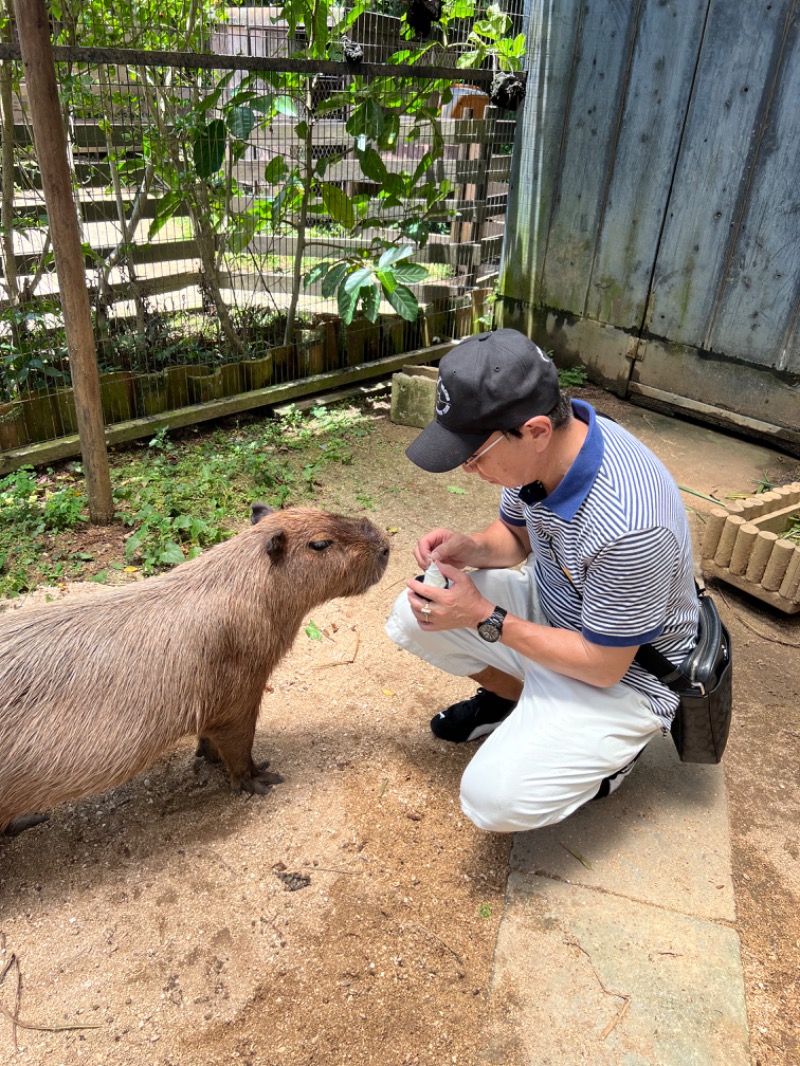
<point x="576" y="484"/>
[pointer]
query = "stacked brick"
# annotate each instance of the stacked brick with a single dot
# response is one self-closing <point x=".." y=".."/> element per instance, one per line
<point x="745" y="545"/>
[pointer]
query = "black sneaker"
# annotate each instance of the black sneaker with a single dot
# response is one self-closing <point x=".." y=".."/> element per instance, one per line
<point x="472" y="718"/>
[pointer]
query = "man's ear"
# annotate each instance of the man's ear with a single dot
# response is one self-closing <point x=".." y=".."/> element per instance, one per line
<point x="539" y="429"/>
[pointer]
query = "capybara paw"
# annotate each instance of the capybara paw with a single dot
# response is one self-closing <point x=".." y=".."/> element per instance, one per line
<point x="260" y="782"/>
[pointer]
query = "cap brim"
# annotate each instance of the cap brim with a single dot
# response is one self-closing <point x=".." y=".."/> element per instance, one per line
<point x="438" y="450"/>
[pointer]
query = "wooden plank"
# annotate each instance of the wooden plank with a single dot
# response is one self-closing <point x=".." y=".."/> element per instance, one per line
<point x="656" y="91"/>
<point x="554" y="36"/>
<point x="453" y="131"/>
<point x="100" y="208"/>
<point x="598" y="74"/>
<point x="757" y="316"/>
<point x="707" y="260"/>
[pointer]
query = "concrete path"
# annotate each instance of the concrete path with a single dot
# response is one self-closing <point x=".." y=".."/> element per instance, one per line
<point x="618" y="945"/>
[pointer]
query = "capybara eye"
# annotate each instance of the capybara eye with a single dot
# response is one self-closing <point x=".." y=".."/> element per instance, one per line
<point x="320" y="545"/>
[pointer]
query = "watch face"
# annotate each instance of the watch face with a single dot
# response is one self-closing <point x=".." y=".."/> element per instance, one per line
<point x="489" y="631"/>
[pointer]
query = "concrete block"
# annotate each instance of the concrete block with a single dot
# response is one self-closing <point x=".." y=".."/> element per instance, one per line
<point x="414" y="395"/>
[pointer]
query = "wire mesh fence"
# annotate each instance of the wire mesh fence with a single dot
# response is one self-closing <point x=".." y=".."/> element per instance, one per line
<point x="287" y="200"/>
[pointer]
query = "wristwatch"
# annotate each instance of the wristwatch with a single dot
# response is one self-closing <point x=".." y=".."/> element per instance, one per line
<point x="492" y="628"/>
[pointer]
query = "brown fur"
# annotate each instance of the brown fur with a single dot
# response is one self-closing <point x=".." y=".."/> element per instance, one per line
<point x="93" y="691"/>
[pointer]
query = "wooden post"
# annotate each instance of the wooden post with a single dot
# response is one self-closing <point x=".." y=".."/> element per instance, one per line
<point x="51" y="150"/>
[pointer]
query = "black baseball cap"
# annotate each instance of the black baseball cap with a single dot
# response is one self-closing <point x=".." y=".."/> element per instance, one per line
<point x="489" y="382"/>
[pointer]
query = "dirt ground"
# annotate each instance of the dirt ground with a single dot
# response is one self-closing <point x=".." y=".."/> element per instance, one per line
<point x="350" y="916"/>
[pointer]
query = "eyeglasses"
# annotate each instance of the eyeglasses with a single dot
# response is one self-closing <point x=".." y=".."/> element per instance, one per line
<point x="468" y="464"/>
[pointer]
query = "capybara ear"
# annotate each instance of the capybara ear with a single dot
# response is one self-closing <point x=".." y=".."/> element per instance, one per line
<point x="259" y="511"/>
<point x="275" y="545"/>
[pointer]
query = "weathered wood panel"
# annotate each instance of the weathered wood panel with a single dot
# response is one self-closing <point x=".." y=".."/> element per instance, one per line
<point x="654" y="217"/>
<point x="552" y="38"/>
<point x="728" y="273"/>
<point x="653" y="95"/>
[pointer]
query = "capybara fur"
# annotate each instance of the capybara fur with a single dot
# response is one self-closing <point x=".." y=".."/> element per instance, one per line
<point x="94" y="690"/>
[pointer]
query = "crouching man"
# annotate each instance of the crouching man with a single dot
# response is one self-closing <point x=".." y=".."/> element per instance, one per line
<point x="600" y="531"/>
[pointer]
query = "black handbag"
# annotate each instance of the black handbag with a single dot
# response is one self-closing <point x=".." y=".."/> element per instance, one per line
<point x="704" y="683"/>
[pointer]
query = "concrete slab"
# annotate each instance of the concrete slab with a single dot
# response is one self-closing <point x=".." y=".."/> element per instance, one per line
<point x="661" y="839"/>
<point x="592" y="977"/>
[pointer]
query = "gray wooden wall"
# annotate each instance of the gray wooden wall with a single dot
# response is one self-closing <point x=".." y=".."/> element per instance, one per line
<point x="654" y="225"/>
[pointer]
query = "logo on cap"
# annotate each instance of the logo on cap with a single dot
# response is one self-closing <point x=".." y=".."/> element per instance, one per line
<point x="442" y="398"/>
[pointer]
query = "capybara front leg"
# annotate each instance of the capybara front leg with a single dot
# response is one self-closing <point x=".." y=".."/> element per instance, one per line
<point x="206" y="750"/>
<point x="25" y="821"/>
<point x="235" y="746"/>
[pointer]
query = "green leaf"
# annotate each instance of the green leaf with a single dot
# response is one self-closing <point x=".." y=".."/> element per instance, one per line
<point x="357" y="279"/>
<point x="387" y="279"/>
<point x="315" y="273"/>
<point x="347" y="303"/>
<point x="338" y="205"/>
<point x="457" y="490"/>
<point x="372" y="165"/>
<point x="240" y="122"/>
<point x="410" y="273"/>
<point x="404" y="302"/>
<point x="334" y="278"/>
<point x="366" y="121"/>
<point x="209" y="148"/>
<point x="263" y="104"/>
<point x="275" y="170"/>
<point x="371" y="301"/>
<point x="312" y="631"/>
<point x="243" y="230"/>
<point x="285" y="105"/>
<point x="165" y="209"/>
<point x="393" y="254"/>
<point x="170" y="554"/>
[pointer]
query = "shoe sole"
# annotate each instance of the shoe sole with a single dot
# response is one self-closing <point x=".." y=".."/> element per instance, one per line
<point x="476" y="734"/>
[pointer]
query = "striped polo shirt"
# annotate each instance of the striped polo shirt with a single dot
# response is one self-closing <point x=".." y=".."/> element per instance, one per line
<point x="612" y="551"/>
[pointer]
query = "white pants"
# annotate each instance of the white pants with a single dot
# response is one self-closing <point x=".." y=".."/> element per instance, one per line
<point x="561" y="741"/>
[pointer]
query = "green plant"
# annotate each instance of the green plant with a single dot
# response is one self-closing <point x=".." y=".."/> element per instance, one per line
<point x="33" y="509"/>
<point x="32" y="353"/>
<point x="572" y="377"/>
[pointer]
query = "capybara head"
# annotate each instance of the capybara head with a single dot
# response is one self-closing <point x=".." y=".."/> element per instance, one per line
<point x="342" y="556"/>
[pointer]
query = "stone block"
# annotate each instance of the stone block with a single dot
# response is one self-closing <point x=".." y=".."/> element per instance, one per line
<point x="414" y="395"/>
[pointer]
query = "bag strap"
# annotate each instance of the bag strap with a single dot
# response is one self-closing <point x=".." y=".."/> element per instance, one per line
<point x="651" y="660"/>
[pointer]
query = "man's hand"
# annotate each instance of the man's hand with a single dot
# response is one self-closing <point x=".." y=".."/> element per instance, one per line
<point x="456" y="549"/>
<point x="459" y="607"/>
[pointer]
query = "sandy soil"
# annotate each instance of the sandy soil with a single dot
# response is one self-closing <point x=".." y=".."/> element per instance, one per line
<point x="351" y="915"/>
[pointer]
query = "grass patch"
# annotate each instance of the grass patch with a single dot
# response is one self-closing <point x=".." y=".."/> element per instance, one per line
<point x="174" y="496"/>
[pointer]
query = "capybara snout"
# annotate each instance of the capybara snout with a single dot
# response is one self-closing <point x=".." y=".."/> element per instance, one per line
<point x="93" y="690"/>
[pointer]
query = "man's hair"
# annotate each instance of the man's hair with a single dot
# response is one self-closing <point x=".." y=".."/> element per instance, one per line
<point x="560" y="415"/>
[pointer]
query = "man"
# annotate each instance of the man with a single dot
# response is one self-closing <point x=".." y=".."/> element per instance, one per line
<point x="600" y="529"/>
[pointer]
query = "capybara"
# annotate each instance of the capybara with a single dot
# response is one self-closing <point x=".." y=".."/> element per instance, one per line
<point x="93" y="691"/>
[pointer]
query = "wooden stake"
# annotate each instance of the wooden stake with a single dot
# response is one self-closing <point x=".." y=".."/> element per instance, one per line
<point x="51" y="150"/>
